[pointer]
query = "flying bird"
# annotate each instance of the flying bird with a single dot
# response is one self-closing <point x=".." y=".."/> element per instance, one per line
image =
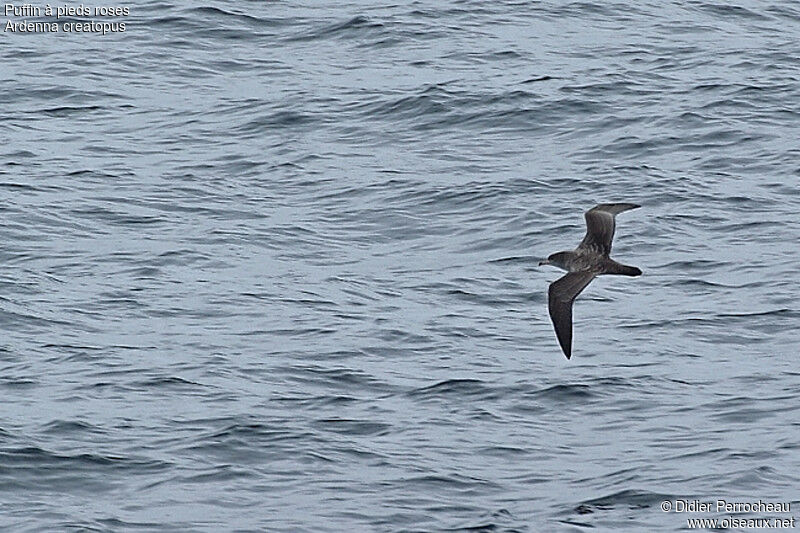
<point x="589" y="260"/>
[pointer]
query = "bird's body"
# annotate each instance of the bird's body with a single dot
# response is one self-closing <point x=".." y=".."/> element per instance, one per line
<point x="589" y="260"/>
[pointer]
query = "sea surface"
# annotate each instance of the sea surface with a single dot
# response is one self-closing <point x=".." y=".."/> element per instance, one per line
<point x="273" y="266"/>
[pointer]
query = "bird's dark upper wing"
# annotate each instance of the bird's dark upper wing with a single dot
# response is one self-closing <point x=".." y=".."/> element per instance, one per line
<point x="559" y="299"/>
<point x="600" y="226"/>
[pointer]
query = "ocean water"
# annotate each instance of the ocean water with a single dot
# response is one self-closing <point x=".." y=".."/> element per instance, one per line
<point x="273" y="266"/>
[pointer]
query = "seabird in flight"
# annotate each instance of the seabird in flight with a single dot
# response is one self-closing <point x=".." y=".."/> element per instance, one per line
<point x="588" y="260"/>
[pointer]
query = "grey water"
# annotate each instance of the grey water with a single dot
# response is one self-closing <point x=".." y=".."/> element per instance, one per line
<point x="273" y="266"/>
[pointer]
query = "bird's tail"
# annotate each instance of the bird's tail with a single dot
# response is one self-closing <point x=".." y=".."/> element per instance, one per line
<point x="612" y="267"/>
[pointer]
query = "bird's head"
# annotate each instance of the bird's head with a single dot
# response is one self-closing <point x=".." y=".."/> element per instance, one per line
<point x="557" y="259"/>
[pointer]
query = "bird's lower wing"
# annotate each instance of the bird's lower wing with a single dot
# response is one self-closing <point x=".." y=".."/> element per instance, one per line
<point x="560" y="296"/>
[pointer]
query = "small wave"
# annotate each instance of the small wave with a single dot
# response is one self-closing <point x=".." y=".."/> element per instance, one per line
<point x="522" y="259"/>
<point x="732" y="11"/>
<point x="695" y="264"/>
<point x="69" y="111"/>
<point x="565" y="392"/>
<point x="21" y="186"/>
<point x="355" y="27"/>
<point x="455" y="482"/>
<point x="277" y="120"/>
<point x="725" y="319"/>
<point x="353" y="427"/>
<point x="337" y="378"/>
<point x="776" y="312"/>
<point x="540" y="78"/>
<point x="60" y="427"/>
<point x="452" y="387"/>
<point x="630" y="499"/>
<point x="173" y="22"/>
<point x="216" y="13"/>
<point x="166" y="382"/>
<point x="54" y="465"/>
<point x="693" y="282"/>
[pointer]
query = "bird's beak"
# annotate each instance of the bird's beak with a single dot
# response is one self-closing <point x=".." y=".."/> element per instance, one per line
<point x="545" y="262"/>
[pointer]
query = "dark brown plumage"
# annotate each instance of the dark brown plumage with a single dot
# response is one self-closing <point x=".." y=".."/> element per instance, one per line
<point x="589" y="260"/>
